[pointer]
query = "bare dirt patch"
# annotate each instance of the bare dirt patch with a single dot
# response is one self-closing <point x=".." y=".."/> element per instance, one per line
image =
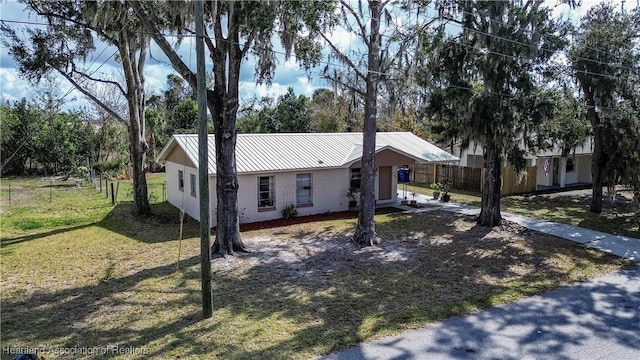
<point x="438" y="245"/>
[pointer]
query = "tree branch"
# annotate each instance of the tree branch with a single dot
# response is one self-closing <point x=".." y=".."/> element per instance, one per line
<point x="93" y="98"/>
<point x="111" y="82"/>
<point x="247" y="44"/>
<point x="363" y="29"/>
<point x="47" y="14"/>
<point x="342" y="57"/>
<point x="344" y="84"/>
<point x="208" y="42"/>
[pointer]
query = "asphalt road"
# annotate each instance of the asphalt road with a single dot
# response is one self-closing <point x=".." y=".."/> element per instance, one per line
<point x="598" y="319"/>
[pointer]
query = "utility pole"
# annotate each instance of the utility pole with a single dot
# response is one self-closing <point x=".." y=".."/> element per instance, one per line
<point x="203" y="163"/>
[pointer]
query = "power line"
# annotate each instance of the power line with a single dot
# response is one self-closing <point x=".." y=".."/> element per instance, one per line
<point x="36" y="129"/>
<point x="428" y="17"/>
<point x="340" y="65"/>
<point x="456" y="24"/>
<point x="573" y="33"/>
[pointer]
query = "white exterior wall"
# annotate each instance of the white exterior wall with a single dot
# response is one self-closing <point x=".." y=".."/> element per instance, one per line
<point x="471" y="157"/>
<point x="542" y="178"/>
<point x="583" y="165"/>
<point x="329" y="189"/>
<point x="182" y="199"/>
<point x="581" y="171"/>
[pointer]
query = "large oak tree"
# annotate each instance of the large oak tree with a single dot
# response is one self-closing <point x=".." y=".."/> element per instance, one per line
<point x="485" y="80"/>
<point x="74" y="28"/>
<point x="605" y="58"/>
<point x="235" y="30"/>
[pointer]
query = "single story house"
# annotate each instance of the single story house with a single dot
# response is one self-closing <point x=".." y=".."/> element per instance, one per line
<point x="311" y="171"/>
<point x="552" y="169"/>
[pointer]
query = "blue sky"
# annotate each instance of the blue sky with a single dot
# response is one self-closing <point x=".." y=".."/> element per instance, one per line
<point x="288" y="74"/>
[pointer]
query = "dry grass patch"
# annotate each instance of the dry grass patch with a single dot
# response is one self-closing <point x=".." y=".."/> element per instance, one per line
<point x="305" y="289"/>
<point x="567" y="207"/>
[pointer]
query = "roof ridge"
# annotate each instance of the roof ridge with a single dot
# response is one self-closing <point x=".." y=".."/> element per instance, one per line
<point x="307" y="134"/>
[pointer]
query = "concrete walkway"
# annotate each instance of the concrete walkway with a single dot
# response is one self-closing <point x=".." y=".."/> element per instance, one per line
<point x="597" y="319"/>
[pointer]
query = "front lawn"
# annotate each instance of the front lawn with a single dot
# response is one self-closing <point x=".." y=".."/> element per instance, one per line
<point x="109" y="280"/>
<point x="570" y="207"/>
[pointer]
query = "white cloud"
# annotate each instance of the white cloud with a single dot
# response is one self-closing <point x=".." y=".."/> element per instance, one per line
<point x="156" y="78"/>
<point x="305" y="87"/>
<point x="342" y="38"/>
<point x="249" y="89"/>
<point x="8" y="79"/>
<point x="561" y="9"/>
<point x="290" y="64"/>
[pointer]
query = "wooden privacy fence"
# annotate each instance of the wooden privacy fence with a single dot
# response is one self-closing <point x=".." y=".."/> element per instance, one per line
<point x="472" y="179"/>
<point x="513" y="184"/>
<point x="458" y="177"/>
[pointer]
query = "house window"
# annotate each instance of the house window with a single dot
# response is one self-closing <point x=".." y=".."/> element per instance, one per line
<point x="355" y="178"/>
<point x="266" y="192"/>
<point x="192" y="179"/>
<point x="303" y="189"/>
<point x="570" y="166"/>
<point x="180" y="180"/>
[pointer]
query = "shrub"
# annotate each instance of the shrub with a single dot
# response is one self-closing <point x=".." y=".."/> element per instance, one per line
<point x="289" y="211"/>
<point x="108" y="166"/>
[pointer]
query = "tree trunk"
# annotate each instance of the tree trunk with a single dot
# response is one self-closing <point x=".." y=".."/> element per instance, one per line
<point x="365" y="233"/>
<point x="490" y="205"/>
<point x="134" y="78"/>
<point x="140" y="195"/>
<point x="224" y="111"/>
<point x="137" y="150"/>
<point x="223" y="106"/>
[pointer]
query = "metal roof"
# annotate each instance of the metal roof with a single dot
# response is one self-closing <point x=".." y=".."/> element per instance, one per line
<point x="256" y="153"/>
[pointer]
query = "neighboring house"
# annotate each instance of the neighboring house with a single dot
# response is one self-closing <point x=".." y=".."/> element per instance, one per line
<point x="311" y="171"/>
<point x="552" y="169"/>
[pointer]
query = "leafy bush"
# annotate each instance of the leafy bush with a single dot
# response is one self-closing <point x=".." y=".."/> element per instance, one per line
<point x="289" y="211"/>
<point x="108" y="166"/>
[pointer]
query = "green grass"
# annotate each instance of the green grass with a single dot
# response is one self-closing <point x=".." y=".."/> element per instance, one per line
<point x="572" y="210"/>
<point x="304" y="290"/>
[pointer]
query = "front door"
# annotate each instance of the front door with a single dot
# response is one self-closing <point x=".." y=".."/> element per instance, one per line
<point x="384" y="183"/>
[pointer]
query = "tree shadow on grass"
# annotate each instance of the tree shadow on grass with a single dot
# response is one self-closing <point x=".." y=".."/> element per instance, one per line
<point x="618" y="218"/>
<point x="7" y="242"/>
<point x="297" y="298"/>
<point x="338" y="296"/>
<point x="163" y="226"/>
<point x="48" y="317"/>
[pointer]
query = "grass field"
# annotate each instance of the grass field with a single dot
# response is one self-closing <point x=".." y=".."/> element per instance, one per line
<point x="568" y="208"/>
<point x="77" y="271"/>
